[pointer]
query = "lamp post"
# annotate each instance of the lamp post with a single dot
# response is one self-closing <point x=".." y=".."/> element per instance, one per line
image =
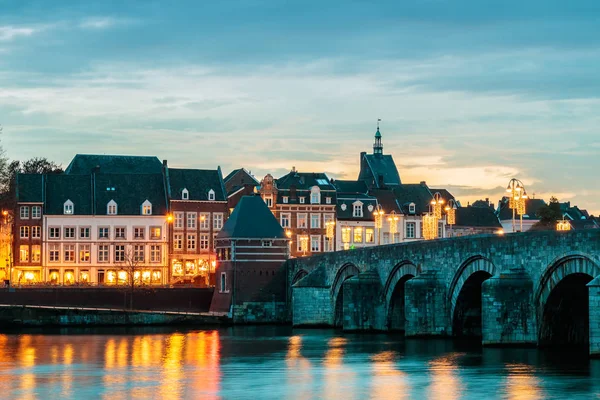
<point x="437" y="205"/>
<point x="516" y="201"/>
<point x="169" y="248"/>
<point x="346" y="237"/>
<point x="378" y="213"/>
<point x="330" y="233"/>
<point x="288" y="233"/>
<point x="393" y="221"/>
<point x="451" y="214"/>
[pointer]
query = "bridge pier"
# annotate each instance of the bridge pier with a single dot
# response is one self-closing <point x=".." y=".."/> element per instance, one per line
<point x="364" y="304"/>
<point x="311" y="301"/>
<point x="508" y="314"/>
<point x="594" y="310"/>
<point x="426" y="306"/>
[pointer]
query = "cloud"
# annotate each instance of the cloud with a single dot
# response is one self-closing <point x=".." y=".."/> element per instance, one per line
<point x="102" y="22"/>
<point x="9" y="33"/>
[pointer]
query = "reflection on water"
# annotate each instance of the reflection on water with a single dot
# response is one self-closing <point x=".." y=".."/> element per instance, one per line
<point x="270" y="362"/>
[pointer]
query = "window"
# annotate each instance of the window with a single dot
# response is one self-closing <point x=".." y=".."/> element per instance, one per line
<point x="223" y="286"/>
<point x="191" y="242"/>
<point x="84" y="253"/>
<point x="302" y="241"/>
<point x="386" y="237"/>
<point x="327" y="218"/>
<point x="103" y="250"/>
<point x="146" y="208"/>
<point x="119" y="253"/>
<point x="155" y="253"/>
<point x="36" y="253"/>
<point x="84" y="276"/>
<point x="285" y="220"/>
<point x="54" y="253"/>
<point x="358" y="235"/>
<point x="24" y="232"/>
<point x="191" y="220"/>
<point x="69" y="232"/>
<point x="185" y="194"/>
<point x="84" y="232"/>
<point x="177" y="241"/>
<point x="327" y="200"/>
<point x="103" y="232"/>
<point x="301" y="200"/>
<point x="139" y="253"/>
<point x="411" y="208"/>
<point x="155" y="232"/>
<point x="315" y="195"/>
<point x="111" y="208"/>
<point x="69" y="253"/>
<point x="285" y="199"/>
<point x="139" y="233"/>
<point x="54" y="232"/>
<point x="178" y="220"/>
<point x="357" y="210"/>
<point x="268" y="201"/>
<point x="217" y="221"/>
<point x="24" y="253"/>
<point x="301" y="223"/>
<point x="120" y="232"/>
<point x="328" y="244"/>
<point x="267" y="243"/>
<point x="36" y="212"/>
<point x="204" y="221"/>
<point x="369" y="235"/>
<point x="410" y="230"/>
<point x="24" y="212"/>
<point x="315" y="244"/>
<point x="397" y="237"/>
<point x="440" y="230"/>
<point x="204" y="242"/>
<point x="315" y="221"/>
<point x="211" y="195"/>
<point x="68" y="207"/>
<point x="36" y="232"/>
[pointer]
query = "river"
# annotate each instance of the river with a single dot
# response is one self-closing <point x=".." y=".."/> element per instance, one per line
<point x="279" y="363"/>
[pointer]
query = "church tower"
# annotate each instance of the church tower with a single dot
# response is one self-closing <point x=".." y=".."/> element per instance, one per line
<point x="377" y="145"/>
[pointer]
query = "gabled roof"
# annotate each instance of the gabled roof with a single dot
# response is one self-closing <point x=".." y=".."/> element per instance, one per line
<point x="387" y="199"/>
<point x="113" y="164"/>
<point x="252" y="219"/>
<point x="344" y="186"/>
<point x="446" y="195"/>
<point x="62" y="187"/>
<point x="198" y="182"/>
<point x="531" y="208"/>
<point x="130" y="191"/>
<point x="477" y="217"/>
<point x="417" y="193"/>
<point x="304" y="181"/>
<point x="231" y="174"/>
<point x="348" y="213"/>
<point x="380" y="165"/>
<point x="30" y="188"/>
<point x="237" y="179"/>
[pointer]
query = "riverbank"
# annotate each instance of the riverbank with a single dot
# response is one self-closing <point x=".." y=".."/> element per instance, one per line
<point x="24" y="316"/>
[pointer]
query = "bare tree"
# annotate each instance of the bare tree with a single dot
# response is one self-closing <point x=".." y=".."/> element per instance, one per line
<point x="131" y="265"/>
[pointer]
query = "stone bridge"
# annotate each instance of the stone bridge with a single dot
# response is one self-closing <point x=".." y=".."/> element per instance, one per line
<point x="522" y="288"/>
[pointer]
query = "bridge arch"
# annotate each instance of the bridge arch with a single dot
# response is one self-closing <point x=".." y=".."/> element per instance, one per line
<point x="464" y="295"/>
<point x="347" y="271"/>
<point x="562" y="300"/>
<point x="394" y="294"/>
<point x="299" y="275"/>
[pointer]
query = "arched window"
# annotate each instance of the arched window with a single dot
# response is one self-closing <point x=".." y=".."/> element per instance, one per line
<point x="146" y="208"/>
<point x="315" y="195"/>
<point x="411" y="208"/>
<point x="185" y="194"/>
<point x="68" y="207"/>
<point x="111" y="208"/>
<point x="357" y="210"/>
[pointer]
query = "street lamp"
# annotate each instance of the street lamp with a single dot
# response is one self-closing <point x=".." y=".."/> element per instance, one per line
<point x="378" y="213"/>
<point x="393" y="221"/>
<point x="304" y="243"/>
<point x="346" y="237"/>
<point x="516" y="202"/>
<point x="288" y="233"/>
<point x="437" y="205"/>
<point x="330" y="233"/>
<point x="451" y="213"/>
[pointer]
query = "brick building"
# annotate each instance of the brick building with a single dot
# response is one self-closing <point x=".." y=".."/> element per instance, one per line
<point x="239" y="183"/>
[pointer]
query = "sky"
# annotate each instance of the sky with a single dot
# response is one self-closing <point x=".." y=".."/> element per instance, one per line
<point x="470" y="93"/>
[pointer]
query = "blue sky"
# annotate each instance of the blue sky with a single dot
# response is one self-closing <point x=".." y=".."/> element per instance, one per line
<point x="470" y="93"/>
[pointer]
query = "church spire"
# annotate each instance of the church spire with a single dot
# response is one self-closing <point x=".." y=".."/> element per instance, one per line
<point x="378" y="146"/>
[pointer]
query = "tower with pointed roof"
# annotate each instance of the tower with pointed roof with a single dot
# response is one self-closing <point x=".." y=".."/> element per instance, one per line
<point x="378" y="146"/>
<point x="378" y="170"/>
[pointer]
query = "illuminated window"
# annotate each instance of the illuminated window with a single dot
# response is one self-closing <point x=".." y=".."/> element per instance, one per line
<point x="146" y="208"/>
<point x="111" y="276"/>
<point x="69" y="253"/>
<point x="24" y="253"/>
<point x="69" y="277"/>
<point x="36" y="212"/>
<point x="178" y="220"/>
<point x="301" y="222"/>
<point x="122" y="277"/>
<point x="155" y="232"/>
<point x="217" y="221"/>
<point x="204" y="221"/>
<point x="190" y="267"/>
<point x="369" y="235"/>
<point x="54" y="277"/>
<point x="177" y="268"/>
<point x="358" y="235"/>
<point x="68" y="207"/>
<point x="156" y="276"/>
<point x="103" y="252"/>
<point x="36" y="253"/>
<point x="24" y="212"/>
<point x="191" y="220"/>
<point x="84" y="276"/>
<point x="24" y="232"/>
<point x="84" y="253"/>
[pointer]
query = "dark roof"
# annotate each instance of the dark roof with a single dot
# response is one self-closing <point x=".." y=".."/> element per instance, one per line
<point x="417" y="193"/>
<point x="252" y="219"/>
<point x="387" y="199"/>
<point x="62" y="187"/>
<point x="349" y="201"/>
<point x="343" y="186"/>
<point x="531" y="208"/>
<point x="304" y="181"/>
<point x="30" y="188"/>
<point x="231" y="174"/>
<point x="198" y="182"/>
<point x="477" y="216"/>
<point x="579" y="224"/>
<point x="380" y="165"/>
<point x="114" y="164"/>
<point x="237" y="179"/>
<point x="130" y="191"/>
<point x="446" y="195"/>
<point x="482" y="203"/>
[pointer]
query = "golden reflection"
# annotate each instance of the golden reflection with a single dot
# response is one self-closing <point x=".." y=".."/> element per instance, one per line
<point x="521" y="384"/>
<point x="444" y="382"/>
<point x="202" y="351"/>
<point x="67" y="377"/>
<point x="336" y="376"/>
<point x="171" y="386"/>
<point x="299" y="369"/>
<point x="115" y="358"/>
<point x="388" y="382"/>
<point x="26" y="356"/>
<point x="143" y="357"/>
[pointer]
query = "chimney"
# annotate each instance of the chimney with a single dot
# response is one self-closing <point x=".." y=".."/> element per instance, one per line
<point x="164" y="163"/>
<point x="423" y="183"/>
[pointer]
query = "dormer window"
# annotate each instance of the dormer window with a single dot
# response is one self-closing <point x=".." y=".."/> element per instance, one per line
<point x="411" y="208"/>
<point x="68" y="207"/>
<point x="185" y="195"/>
<point x="301" y="200"/>
<point x="357" y="210"/>
<point x="146" y="208"/>
<point x="111" y="208"/>
<point x="211" y="195"/>
<point x="315" y="195"/>
<point x="285" y="199"/>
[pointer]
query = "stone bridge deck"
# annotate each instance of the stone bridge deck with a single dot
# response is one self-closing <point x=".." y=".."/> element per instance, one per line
<point x="499" y="287"/>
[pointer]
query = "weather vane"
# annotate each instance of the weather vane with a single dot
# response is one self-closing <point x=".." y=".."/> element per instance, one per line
<point x="378" y="120"/>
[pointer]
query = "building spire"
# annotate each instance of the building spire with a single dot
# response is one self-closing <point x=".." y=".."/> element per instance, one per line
<point x="378" y="146"/>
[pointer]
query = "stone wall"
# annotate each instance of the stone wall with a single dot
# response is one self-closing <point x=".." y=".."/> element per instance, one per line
<point x="312" y="306"/>
<point x="260" y="313"/>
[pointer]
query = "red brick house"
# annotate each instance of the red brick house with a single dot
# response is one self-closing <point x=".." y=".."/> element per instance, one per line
<point x="239" y="183"/>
